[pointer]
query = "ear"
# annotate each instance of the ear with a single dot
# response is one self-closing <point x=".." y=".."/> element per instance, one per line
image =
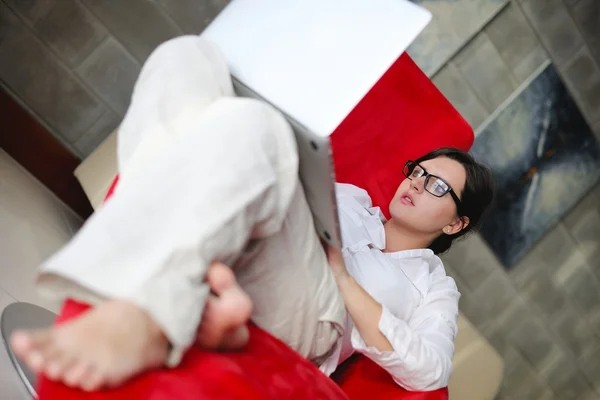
<point x="456" y="226"/>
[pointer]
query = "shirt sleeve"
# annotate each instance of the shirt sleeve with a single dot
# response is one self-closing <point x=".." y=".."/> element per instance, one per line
<point x="346" y="192"/>
<point x="360" y="223"/>
<point x="424" y="345"/>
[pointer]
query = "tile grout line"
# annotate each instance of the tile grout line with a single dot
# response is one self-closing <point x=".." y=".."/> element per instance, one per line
<point x="63" y="65"/>
<point x="558" y="68"/>
<point x="469" y="39"/>
<point x="75" y="72"/>
<point x="514" y="95"/>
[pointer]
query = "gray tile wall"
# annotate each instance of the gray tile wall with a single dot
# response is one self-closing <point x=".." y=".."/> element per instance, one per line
<point x="543" y="316"/>
<point x="73" y="63"/>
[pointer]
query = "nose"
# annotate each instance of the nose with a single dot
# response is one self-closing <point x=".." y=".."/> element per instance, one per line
<point x="417" y="184"/>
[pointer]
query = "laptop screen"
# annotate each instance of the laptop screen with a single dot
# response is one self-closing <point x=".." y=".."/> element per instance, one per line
<point x="314" y="59"/>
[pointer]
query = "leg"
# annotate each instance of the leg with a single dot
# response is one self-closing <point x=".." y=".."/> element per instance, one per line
<point x="225" y="174"/>
<point x="222" y="327"/>
<point x="294" y="293"/>
<point x="290" y="282"/>
<point x="95" y="349"/>
<point x="182" y="73"/>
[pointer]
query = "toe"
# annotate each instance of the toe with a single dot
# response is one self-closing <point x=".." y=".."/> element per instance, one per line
<point x="35" y="361"/>
<point x="41" y="350"/>
<point x="231" y="303"/>
<point x="92" y="383"/>
<point x="75" y="375"/>
<point x="24" y="342"/>
<point x="20" y="343"/>
<point x="57" y="364"/>
<point x="93" y="380"/>
<point x="31" y="347"/>
<point x="236" y="305"/>
<point x="54" y="370"/>
<point x="236" y="340"/>
<point x="220" y="277"/>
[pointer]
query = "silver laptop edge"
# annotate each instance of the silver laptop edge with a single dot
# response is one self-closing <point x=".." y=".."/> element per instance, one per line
<point x="316" y="172"/>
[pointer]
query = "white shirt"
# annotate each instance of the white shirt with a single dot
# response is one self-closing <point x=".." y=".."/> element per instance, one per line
<point x="420" y="303"/>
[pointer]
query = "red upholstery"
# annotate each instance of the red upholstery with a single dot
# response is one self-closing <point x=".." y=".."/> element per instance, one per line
<point x="362" y="379"/>
<point x="403" y="116"/>
<point x="266" y="370"/>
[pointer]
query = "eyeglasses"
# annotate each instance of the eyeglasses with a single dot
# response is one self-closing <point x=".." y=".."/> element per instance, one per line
<point x="433" y="184"/>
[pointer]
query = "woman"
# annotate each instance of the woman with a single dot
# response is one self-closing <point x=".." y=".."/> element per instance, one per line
<point x="402" y="307"/>
<point x="205" y="176"/>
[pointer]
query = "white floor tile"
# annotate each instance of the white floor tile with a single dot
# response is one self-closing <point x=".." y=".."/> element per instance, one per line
<point x="25" y="241"/>
<point x="73" y="221"/>
<point x="20" y="259"/>
<point x="33" y="225"/>
<point x="5" y="300"/>
<point x="25" y="195"/>
<point x="47" y="240"/>
<point x="28" y="206"/>
<point x="11" y="386"/>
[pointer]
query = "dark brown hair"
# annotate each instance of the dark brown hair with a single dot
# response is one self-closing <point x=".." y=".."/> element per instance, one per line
<point x="476" y="197"/>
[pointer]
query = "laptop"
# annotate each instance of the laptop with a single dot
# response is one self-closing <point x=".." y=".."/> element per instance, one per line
<point x="314" y="60"/>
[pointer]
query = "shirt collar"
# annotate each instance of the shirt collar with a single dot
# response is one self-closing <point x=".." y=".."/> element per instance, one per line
<point x="403" y="254"/>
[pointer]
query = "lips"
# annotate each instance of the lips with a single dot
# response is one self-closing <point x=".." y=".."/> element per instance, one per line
<point x="407" y="200"/>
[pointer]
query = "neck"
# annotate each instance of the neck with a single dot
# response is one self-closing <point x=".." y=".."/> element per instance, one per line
<point x="397" y="238"/>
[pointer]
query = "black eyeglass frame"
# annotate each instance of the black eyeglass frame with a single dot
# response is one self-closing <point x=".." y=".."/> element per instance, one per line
<point x="410" y="166"/>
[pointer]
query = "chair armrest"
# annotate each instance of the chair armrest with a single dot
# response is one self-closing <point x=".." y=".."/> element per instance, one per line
<point x="360" y="378"/>
<point x="477" y="366"/>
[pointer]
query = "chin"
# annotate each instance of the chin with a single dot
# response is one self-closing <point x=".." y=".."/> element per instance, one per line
<point x="399" y="212"/>
<point x="405" y="216"/>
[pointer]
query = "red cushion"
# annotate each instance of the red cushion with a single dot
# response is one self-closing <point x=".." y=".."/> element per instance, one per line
<point x="266" y="370"/>
<point x="361" y="379"/>
<point x="402" y="117"/>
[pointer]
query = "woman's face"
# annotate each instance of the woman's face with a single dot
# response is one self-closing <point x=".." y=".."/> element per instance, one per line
<point x="423" y="213"/>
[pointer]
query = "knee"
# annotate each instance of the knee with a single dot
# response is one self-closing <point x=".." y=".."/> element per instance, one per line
<point x="251" y="110"/>
<point x="257" y="120"/>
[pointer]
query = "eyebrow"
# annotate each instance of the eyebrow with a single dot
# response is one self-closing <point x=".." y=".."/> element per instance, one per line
<point x="437" y="176"/>
<point x="430" y="173"/>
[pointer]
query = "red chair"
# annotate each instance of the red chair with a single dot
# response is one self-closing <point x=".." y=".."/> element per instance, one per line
<point x="402" y="117"/>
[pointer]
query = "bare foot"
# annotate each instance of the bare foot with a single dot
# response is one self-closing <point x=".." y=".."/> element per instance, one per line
<point x="104" y="347"/>
<point x="226" y="312"/>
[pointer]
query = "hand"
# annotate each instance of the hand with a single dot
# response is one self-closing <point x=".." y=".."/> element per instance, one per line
<point x="336" y="262"/>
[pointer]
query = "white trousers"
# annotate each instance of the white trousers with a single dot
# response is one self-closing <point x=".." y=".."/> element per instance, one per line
<point x="203" y="176"/>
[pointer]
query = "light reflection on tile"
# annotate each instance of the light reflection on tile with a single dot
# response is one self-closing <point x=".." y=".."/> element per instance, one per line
<point x="454" y="22"/>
